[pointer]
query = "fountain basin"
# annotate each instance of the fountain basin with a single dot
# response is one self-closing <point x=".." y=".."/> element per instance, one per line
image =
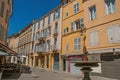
<point x="86" y="67"/>
<point x="86" y="63"/>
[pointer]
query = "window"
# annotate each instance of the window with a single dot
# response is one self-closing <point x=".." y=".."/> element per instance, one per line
<point x="32" y="46"/>
<point x="77" y="44"/>
<point x="34" y="26"/>
<point x="76" y="7"/>
<point x="9" y="2"/>
<point x="49" y="18"/>
<point x="66" y="14"/>
<point x="49" y="30"/>
<point x="79" y="23"/>
<point x="38" y="25"/>
<point x="55" y="43"/>
<point x="67" y="48"/>
<point x="48" y="43"/>
<point x="57" y="14"/>
<point x="110" y="6"/>
<point x="66" y="30"/>
<point x="72" y="26"/>
<point x="92" y="11"/>
<point x="114" y="34"/>
<point x="2" y="33"/>
<point x="56" y="28"/>
<point x="7" y="15"/>
<point x="33" y="36"/>
<point x="43" y="22"/>
<point x="2" y="9"/>
<point x="94" y="38"/>
<point x="65" y="2"/>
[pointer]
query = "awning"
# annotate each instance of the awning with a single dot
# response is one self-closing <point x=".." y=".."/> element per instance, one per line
<point x="4" y="53"/>
<point x="7" y="49"/>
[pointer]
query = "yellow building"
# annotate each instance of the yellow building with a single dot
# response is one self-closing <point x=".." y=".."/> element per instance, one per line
<point x="102" y="22"/>
<point x="72" y="34"/>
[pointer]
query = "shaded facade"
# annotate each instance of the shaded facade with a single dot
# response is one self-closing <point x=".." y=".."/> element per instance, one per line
<point x="12" y="43"/>
<point x="5" y="14"/>
<point x="24" y="44"/>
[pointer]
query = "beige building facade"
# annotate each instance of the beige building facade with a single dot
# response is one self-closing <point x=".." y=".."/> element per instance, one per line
<point x="24" y="44"/>
<point x="46" y="40"/>
<point x="12" y="43"/>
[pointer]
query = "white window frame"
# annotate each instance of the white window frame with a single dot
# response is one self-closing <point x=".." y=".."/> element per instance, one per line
<point x="77" y="44"/>
<point x="80" y="23"/>
<point x="72" y="26"/>
<point x="76" y="7"/>
<point x="111" y="8"/>
<point x="92" y="12"/>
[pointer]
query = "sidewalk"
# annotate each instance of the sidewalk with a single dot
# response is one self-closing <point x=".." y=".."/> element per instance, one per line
<point x="70" y="76"/>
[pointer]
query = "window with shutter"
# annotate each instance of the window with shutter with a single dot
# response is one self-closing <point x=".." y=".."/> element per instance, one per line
<point x="92" y="12"/>
<point x="76" y="7"/>
<point x="72" y="26"/>
<point x="77" y="44"/>
<point x="114" y="34"/>
<point x="94" y="38"/>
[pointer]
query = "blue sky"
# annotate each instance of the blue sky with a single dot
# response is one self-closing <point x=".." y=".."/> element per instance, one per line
<point x="24" y="11"/>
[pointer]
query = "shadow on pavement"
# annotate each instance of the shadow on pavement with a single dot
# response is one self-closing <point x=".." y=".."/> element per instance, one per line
<point x="16" y="74"/>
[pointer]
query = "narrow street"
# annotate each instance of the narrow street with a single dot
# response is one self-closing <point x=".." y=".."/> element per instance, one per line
<point x="40" y="74"/>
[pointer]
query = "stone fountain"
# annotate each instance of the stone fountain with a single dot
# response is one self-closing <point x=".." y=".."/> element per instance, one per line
<point x="86" y="64"/>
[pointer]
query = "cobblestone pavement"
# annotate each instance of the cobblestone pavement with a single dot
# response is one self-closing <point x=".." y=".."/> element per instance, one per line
<point x="41" y="74"/>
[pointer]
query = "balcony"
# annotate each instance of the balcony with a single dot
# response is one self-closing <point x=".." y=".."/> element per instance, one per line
<point x="41" y="50"/>
<point x="42" y="37"/>
<point x="55" y="32"/>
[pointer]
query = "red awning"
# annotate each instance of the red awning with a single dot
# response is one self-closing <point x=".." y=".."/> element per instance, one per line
<point x="7" y="49"/>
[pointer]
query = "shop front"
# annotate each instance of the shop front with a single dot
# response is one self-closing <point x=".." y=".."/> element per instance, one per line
<point x="68" y="64"/>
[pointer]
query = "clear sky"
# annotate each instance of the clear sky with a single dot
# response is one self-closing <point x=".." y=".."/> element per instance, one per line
<point x="24" y="11"/>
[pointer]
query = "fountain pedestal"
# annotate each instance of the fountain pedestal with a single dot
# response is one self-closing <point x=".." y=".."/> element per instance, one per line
<point x="86" y="67"/>
<point x="86" y="73"/>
